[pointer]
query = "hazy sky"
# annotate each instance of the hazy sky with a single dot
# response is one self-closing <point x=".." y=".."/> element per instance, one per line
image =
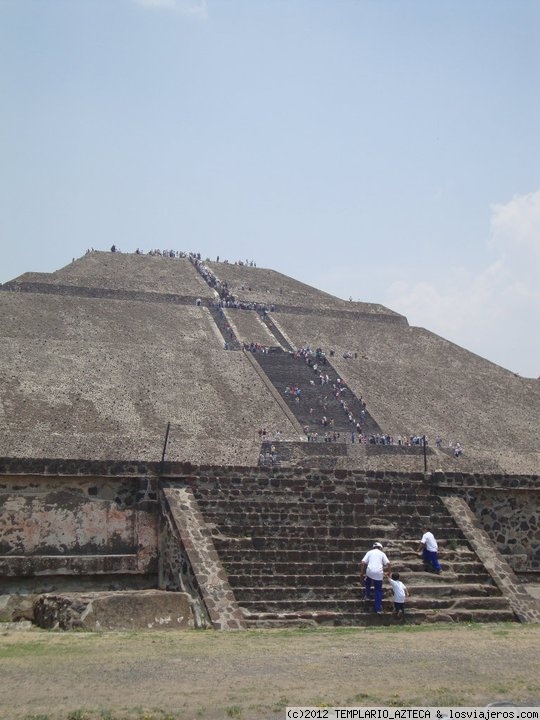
<point x="387" y="150"/>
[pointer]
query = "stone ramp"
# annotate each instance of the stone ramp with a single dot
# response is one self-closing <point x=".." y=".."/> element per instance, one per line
<point x="188" y="560"/>
<point x="292" y="549"/>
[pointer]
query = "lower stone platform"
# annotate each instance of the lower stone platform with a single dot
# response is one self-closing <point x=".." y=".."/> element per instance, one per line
<point x="124" y="610"/>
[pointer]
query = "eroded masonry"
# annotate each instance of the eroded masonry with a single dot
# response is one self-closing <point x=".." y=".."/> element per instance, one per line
<point x="300" y="429"/>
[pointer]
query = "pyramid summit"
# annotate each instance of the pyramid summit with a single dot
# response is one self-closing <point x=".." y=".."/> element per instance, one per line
<point x="99" y="356"/>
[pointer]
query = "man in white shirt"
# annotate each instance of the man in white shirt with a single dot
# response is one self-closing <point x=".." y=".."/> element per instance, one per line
<point x="428" y="546"/>
<point x="372" y="569"/>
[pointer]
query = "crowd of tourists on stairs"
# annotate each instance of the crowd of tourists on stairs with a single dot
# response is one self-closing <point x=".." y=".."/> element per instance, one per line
<point x="317" y="360"/>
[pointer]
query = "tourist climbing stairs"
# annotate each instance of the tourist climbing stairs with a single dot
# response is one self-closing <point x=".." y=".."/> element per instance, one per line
<point x="230" y="341"/>
<point x="316" y="401"/>
<point x="292" y="550"/>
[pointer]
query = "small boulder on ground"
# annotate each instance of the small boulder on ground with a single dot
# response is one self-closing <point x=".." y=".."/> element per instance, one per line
<point x="119" y="610"/>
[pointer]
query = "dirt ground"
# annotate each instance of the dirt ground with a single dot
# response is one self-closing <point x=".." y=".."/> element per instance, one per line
<point x="198" y="675"/>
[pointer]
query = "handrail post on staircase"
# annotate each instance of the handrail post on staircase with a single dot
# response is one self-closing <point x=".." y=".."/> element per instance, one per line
<point x="425" y="453"/>
<point x="164" y="448"/>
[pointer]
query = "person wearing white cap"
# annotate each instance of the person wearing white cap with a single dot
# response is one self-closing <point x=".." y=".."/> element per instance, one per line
<point x="429" y="547"/>
<point x="372" y="569"/>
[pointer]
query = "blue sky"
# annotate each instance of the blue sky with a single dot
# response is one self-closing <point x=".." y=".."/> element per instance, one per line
<point x="386" y="150"/>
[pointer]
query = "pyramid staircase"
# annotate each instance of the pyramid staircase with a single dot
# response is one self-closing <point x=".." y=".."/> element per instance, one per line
<point x="292" y="551"/>
<point x="276" y="332"/>
<point x="227" y="333"/>
<point x="284" y="370"/>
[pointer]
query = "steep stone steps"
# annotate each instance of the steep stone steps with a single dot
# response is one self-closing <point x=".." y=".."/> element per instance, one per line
<point x="284" y="370"/>
<point x="292" y="549"/>
<point x="230" y="340"/>
<point x="275" y="331"/>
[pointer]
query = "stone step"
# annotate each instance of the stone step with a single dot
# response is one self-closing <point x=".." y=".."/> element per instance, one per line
<point x="270" y="519"/>
<point x="255" y="538"/>
<point x="324" y="492"/>
<point x="358" y="604"/>
<point x="316" y="554"/>
<point x="480" y="586"/>
<point x="354" y="589"/>
<point x="241" y="573"/>
<point x="356" y="511"/>
<point x="417" y="583"/>
<point x="362" y="619"/>
<point x="330" y="495"/>
<point x="318" y="485"/>
<point x="414" y="565"/>
<point x="408" y="523"/>
<point x="332" y="559"/>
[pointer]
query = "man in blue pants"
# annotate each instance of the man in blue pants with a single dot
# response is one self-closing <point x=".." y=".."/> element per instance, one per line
<point x="428" y="546"/>
<point x="372" y="568"/>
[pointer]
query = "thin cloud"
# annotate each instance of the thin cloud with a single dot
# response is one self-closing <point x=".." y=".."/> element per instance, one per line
<point x="157" y="3"/>
<point x="498" y="307"/>
<point x="515" y="234"/>
<point x="194" y="8"/>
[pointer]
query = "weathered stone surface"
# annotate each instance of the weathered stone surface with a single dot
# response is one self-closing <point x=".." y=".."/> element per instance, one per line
<point x="68" y="525"/>
<point x="345" y="511"/>
<point x="149" y="609"/>
<point x="15" y="607"/>
<point x="507" y="509"/>
<point x="96" y="366"/>
<point x="196" y="548"/>
<point x="526" y="608"/>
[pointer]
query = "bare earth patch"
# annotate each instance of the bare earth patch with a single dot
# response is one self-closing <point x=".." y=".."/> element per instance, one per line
<point x="254" y="675"/>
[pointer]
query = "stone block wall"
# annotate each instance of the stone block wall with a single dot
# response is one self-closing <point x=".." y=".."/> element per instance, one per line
<point x="511" y="521"/>
<point x="76" y="525"/>
<point x="507" y="508"/>
<point x="54" y="528"/>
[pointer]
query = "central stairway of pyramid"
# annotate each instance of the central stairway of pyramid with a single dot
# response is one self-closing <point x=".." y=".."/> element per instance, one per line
<point x="329" y="407"/>
<point x="291" y="547"/>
